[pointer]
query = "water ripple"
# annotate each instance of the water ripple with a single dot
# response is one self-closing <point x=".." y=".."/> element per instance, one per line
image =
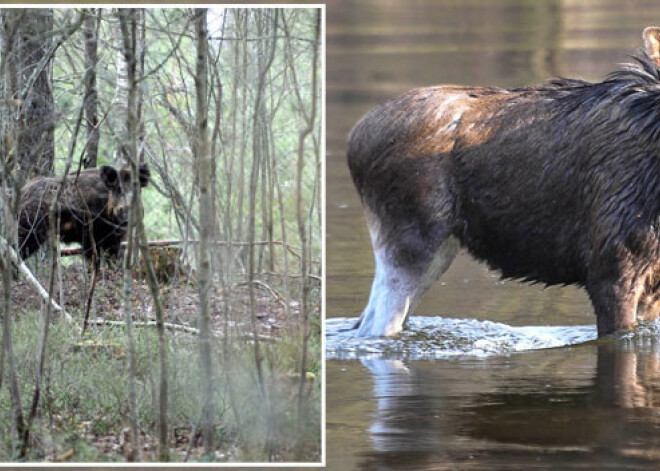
<point x="440" y="337"/>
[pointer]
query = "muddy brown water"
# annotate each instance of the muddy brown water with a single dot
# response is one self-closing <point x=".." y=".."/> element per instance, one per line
<point x="588" y="405"/>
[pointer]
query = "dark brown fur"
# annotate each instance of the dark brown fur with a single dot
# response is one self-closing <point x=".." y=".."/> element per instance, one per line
<point x="557" y="183"/>
<point x="96" y="199"/>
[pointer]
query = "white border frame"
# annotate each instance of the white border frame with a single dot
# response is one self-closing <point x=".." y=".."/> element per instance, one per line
<point x="322" y="463"/>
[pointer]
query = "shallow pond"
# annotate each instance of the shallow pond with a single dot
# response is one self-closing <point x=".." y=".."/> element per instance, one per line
<point x="492" y="374"/>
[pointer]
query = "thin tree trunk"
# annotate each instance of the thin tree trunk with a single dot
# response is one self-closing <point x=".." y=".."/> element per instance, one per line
<point x="254" y="178"/>
<point x="204" y="164"/>
<point x="137" y="217"/>
<point x="130" y="339"/>
<point x="244" y="136"/>
<point x="217" y="90"/>
<point x="91" y="26"/>
<point x="18" y="423"/>
<point x="152" y="281"/>
<point x="263" y="158"/>
<point x="127" y="24"/>
<point x="141" y="54"/>
<point x="8" y="229"/>
<point x="264" y="66"/>
<point x="53" y="230"/>
<point x="285" y="255"/>
<point x="226" y="264"/>
<point x="234" y="137"/>
<point x="119" y="116"/>
<point x="271" y="193"/>
<point x="300" y="212"/>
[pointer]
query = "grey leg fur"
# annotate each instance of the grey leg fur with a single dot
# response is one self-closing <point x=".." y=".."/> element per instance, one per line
<point x="396" y="291"/>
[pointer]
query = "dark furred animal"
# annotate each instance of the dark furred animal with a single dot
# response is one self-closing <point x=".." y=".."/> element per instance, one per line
<point x="99" y="197"/>
<point x="557" y="183"/>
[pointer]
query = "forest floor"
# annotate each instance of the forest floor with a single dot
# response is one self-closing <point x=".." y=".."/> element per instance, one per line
<point x="278" y="326"/>
<point x="180" y="300"/>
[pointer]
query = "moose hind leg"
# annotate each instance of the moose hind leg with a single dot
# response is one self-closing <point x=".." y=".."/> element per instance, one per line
<point x="406" y="266"/>
<point x="615" y="304"/>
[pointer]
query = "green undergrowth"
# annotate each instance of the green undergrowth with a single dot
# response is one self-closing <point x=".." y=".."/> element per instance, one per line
<point x="84" y="408"/>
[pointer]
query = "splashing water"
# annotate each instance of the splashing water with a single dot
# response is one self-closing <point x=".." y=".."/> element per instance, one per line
<point x="439" y="337"/>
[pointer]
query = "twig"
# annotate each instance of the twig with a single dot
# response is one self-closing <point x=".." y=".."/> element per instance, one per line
<point x="185" y="328"/>
<point x="90" y="295"/>
<point x="278" y="297"/>
<point x="310" y="276"/>
<point x="169" y="325"/>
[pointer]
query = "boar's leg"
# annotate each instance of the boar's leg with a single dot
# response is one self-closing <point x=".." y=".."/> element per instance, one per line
<point x="29" y="246"/>
<point x="89" y="242"/>
<point x="406" y="266"/>
<point x="615" y="300"/>
<point x="30" y="233"/>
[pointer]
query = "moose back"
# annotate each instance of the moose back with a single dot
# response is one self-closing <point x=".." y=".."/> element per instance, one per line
<point x="557" y="183"/>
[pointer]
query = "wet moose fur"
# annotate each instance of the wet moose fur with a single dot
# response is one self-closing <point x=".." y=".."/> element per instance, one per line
<point x="98" y="197"/>
<point x="557" y="183"/>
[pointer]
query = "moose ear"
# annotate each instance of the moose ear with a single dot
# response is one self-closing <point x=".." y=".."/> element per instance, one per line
<point x="109" y="176"/>
<point x="652" y="43"/>
<point x="145" y="175"/>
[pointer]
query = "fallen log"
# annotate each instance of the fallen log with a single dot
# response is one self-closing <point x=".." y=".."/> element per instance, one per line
<point x="7" y="249"/>
<point x="169" y="325"/>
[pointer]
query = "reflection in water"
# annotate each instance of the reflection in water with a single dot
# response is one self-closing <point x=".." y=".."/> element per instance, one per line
<point x="595" y="404"/>
<point x="404" y="427"/>
<point x="395" y="384"/>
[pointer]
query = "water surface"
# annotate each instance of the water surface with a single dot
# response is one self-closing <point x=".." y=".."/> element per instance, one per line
<point x="493" y="374"/>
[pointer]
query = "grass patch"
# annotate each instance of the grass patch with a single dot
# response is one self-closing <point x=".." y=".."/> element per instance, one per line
<point x="85" y="406"/>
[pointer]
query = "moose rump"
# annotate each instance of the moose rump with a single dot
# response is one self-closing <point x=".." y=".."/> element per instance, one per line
<point x="557" y="183"/>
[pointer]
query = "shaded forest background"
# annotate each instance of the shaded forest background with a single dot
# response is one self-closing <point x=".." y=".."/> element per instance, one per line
<point x="203" y="339"/>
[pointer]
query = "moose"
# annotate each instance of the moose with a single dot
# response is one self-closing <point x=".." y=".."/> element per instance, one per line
<point x="93" y="209"/>
<point x="557" y="183"/>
